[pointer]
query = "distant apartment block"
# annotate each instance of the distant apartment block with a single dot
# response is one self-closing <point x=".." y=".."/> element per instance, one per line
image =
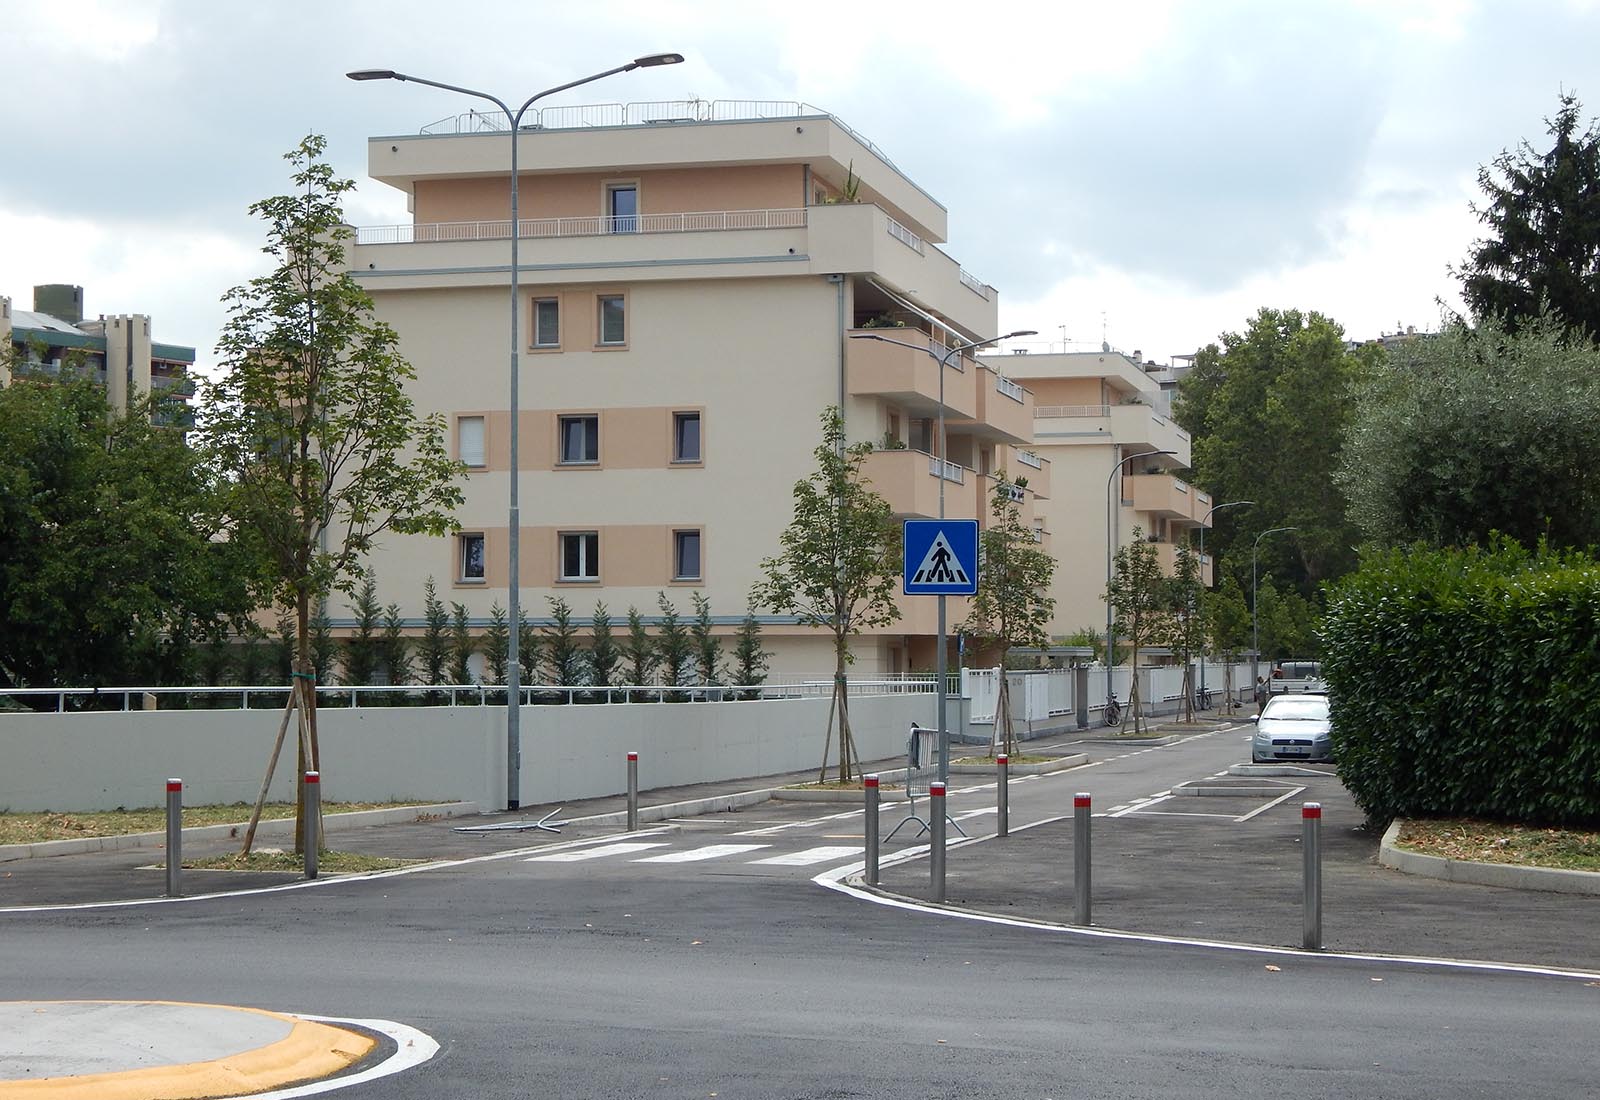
<point x="115" y="350"/>
<point x="1092" y="410"/>
<point x="691" y="275"/>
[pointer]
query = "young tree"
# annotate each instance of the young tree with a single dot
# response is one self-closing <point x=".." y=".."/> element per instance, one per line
<point x="361" y="648"/>
<point x="1186" y="623"/>
<point x="674" y="645"/>
<point x="283" y="646"/>
<point x="1013" y="605"/>
<point x="252" y="656"/>
<point x="530" y="648"/>
<point x="1482" y="430"/>
<point x="462" y="646"/>
<point x="433" y="648"/>
<point x="840" y="561"/>
<point x="708" y="650"/>
<point x="324" y="649"/>
<point x="394" y="654"/>
<point x="604" y="655"/>
<point x="1228" y="620"/>
<point x="496" y="645"/>
<point x="310" y="423"/>
<point x="750" y="660"/>
<point x="1543" y="219"/>
<point x="639" y="654"/>
<point x="562" y="653"/>
<point x="1138" y="596"/>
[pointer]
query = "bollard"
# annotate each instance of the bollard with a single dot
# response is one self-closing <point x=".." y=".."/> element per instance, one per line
<point x="871" y="783"/>
<point x="1311" y="845"/>
<point x="312" y="834"/>
<point x="633" y="791"/>
<point x="936" y="841"/>
<point x="1080" y="858"/>
<point x="1002" y="790"/>
<point x="174" y="836"/>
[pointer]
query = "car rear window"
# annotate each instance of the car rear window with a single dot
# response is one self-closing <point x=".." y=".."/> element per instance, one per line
<point x="1297" y="706"/>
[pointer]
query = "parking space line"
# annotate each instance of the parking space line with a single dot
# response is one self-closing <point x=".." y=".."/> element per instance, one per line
<point x="774" y="829"/>
<point x="1282" y="798"/>
<point x="1181" y="813"/>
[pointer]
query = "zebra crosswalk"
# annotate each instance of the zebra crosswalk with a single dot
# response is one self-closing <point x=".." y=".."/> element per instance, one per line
<point x="628" y="850"/>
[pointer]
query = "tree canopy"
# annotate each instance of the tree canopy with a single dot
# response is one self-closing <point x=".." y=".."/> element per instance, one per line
<point x="1543" y="219"/>
<point x="1267" y="411"/>
<point x="1479" y="431"/>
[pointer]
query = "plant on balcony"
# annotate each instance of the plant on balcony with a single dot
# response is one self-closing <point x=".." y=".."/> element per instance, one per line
<point x="1013" y="606"/>
<point x="891" y="443"/>
<point x="882" y="320"/>
<point x="838" y="566"/>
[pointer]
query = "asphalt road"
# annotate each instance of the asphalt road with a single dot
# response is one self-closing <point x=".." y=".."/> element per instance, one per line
<point x="726" y="976"/>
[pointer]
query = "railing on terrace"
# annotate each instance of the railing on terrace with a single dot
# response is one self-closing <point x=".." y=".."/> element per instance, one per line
<point x="1028" y="458"/>
<point x="270" y="696"/>
<point x="950" y="471"/>
<point x="1049" y="412"/>
<point x="906" y="237"/>
<point x="1010" y="389"/>
<point x="644" y="113"/>
<point x="692" y="221"/>
<point x="974" y="284"/>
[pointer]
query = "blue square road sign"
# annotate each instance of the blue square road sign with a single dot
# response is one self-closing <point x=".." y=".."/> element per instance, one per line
<point x="941" y="557"/>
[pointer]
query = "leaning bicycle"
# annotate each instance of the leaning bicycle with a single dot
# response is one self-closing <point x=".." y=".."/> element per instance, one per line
<point x="1113" y="711"/>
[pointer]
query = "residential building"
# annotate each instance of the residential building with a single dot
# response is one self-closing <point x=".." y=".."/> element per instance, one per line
<point x="691" y="275"/>
<point x="1093" y="411"/>
<point x="117" y="350"/>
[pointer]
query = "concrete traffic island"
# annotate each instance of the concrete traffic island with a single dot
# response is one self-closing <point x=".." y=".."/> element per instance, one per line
<point x="142" y="1050"/>
<point x="1507" y="875"/>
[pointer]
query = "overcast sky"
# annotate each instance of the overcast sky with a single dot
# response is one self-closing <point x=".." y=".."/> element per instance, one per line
<point x="1159" y="170"/>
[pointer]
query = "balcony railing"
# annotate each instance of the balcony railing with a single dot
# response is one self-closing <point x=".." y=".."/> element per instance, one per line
<point x="950" y="471"/>
<point x="1010" y="389"/>
<point x="906" y="237"/>
<point x="692" y="221"/>
<point x="1028" y="458"/>
<point x="974" y="284"/>
<point x="1050" y="412"/>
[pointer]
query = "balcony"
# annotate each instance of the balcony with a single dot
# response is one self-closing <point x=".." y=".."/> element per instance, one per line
<point x="1020" y="462"/>
<point x="1163" y="495"/>
<point x="910" y="481"/>
<point x="984" y="498"/>
<point x="909" y="376"/>
<point x="1005" y="410"/>
<point x="1134" y="426"/>
<point x="1167" y="557"/>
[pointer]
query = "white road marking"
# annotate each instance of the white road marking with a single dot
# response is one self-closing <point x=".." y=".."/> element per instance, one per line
<point x="695" y="855"/>
<point x="976" y="813"/>
<point x="595" y="853"/>
<point x="1182" y="813"/>
<point x="1269" y="805"/>
<point x="809" y="856"/>
<point x="412" y="1048"/>
<point x="774" y="829"/>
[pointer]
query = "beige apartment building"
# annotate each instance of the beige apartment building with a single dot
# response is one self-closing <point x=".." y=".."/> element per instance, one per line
<point x="691" y="275"/>
<point x="1093" y="411"/>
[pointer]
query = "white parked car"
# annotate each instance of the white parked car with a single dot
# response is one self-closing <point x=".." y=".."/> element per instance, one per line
<point x="1293" y="727"/>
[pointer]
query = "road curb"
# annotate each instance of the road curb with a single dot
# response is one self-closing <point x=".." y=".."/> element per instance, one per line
<point x="1060" y="764"/>
<point x="1548" y="879"/>
<point x="276" y="827"/>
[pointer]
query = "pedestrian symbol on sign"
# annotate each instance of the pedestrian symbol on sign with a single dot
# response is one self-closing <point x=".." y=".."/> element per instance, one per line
<point x="939" y="565"/>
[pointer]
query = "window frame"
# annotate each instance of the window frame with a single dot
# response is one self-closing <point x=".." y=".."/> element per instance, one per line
<point x="600" y="301"/>
<point x="613" y="220"/>
<point x="678" y="538"/>
<point x="675" y="455"/>
<point x="536" y="344"/>
<point x="464" y="540"/>
<point x="592" y="436"/>
<point x="483" y="441"/>
<point x="562" y="577"/>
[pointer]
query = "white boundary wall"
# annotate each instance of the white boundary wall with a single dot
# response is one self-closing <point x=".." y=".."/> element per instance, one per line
<point x="103" y="760"/>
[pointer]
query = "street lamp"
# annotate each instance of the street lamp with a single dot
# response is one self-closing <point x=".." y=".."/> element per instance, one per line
<point x="1214" y="508"/>
<point x="513" y="579"/>
<point x="1110" y="519"/>
<point x="1255" y="637"/>
<point x="941" y="661"/>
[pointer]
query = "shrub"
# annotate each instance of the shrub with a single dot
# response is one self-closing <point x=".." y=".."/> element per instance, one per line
<point x="1467" y="683"/>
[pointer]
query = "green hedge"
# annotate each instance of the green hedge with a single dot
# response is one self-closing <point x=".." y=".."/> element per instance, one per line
<point x="1467" y="684"/>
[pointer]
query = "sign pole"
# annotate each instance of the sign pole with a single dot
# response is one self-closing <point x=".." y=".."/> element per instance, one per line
<point x="941" y="559"/>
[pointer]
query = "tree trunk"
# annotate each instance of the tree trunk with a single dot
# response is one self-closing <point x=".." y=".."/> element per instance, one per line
<point x="1188" y="690"/>
<point x="833" y="708"/>
<point x="305" y="681"/>
<point x="841" y="686"/>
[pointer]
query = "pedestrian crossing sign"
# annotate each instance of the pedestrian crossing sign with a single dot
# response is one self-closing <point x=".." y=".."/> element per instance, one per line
<point x="941" y="557"/>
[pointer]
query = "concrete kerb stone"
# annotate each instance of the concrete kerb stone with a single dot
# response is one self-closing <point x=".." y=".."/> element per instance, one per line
<point x="274" y="828"/>
<point x="1140" y="742"/>
<point x="1059" y="764"/>
<point x="1549" y="879"/>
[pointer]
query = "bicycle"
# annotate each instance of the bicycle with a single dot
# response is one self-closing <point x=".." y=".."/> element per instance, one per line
<point x="1202" y="699"/>
<point x="1113" y="711"/>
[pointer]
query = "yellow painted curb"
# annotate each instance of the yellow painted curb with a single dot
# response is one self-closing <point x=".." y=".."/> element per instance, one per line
<point x="309" y="1052"/>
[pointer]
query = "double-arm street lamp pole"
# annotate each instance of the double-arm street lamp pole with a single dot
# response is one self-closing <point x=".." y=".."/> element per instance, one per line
<point x="513" y="657"/>
<point x="941" y="661"/>
<point x="1203" y="519"/>
<point x="1111" y="647"/>
<point x="1255" y="636"/>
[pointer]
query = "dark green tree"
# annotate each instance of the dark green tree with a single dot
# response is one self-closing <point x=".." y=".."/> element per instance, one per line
<point x="530" y="648"/>
<point x="360" y="658"/>
<point x="324" y="648"/>
<point x="640" y="656"/>
<point x="563" y="655"/>
<point x="839" y="564"/>
<point x="394" y="652"/>
<point x="708" y="648"/>
<point x="604" y="655"/>
<point x="675" y="647"/>
<point x="750" y="660"/>
<point x="1268" y="411"/>
<point x="496" y="645"/>
<point x="1481" y="430"/>
<point x="1186" y="625"/>
<point x="433" y="648"/>
<point x="1542" y="216"/>
<point x="462" y="645"/>
<point x="1228" y="626"/>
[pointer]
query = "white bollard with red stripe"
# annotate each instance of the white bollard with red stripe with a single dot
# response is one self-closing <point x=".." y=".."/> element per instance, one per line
<point x="936" y="821"/>
<point x="1002" y="793"/>
<point x="1311" y="850"/>
<point x="174" y="837"/>
<point x="312" y="836"/>
<point x="871" y="830"/>
<point x="1080" y="858"/>
<point x="633" y="791"/>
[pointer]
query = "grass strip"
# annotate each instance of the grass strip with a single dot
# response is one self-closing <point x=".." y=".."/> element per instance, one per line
<point x="33" y="828"/>
<point x="1498" y="842"/>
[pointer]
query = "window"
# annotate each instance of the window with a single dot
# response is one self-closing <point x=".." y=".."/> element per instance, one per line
<point x="546" y="322"/>
<point x="580" y="439"/>
<point x="622" y="204"/>
<point x="469" y="440"/>
<point x="613" y="319"/>
<point x="686" y="437"/>
<point x="471" y="557"/>
<point x="686" y="555"/>
<point x="580" y="556"/>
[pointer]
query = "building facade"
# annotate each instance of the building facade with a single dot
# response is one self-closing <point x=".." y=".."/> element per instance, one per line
<point x="1094" y="411"/>
<point x="691" y="276"/>
<point x="116" y="351"/>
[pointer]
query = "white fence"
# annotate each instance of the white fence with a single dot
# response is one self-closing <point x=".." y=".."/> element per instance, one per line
<point x="106" y="759"/>
<point x="1047" y="697"/>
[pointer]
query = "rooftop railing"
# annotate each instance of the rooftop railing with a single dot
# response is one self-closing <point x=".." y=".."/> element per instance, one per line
<point x="690" y="221"/>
